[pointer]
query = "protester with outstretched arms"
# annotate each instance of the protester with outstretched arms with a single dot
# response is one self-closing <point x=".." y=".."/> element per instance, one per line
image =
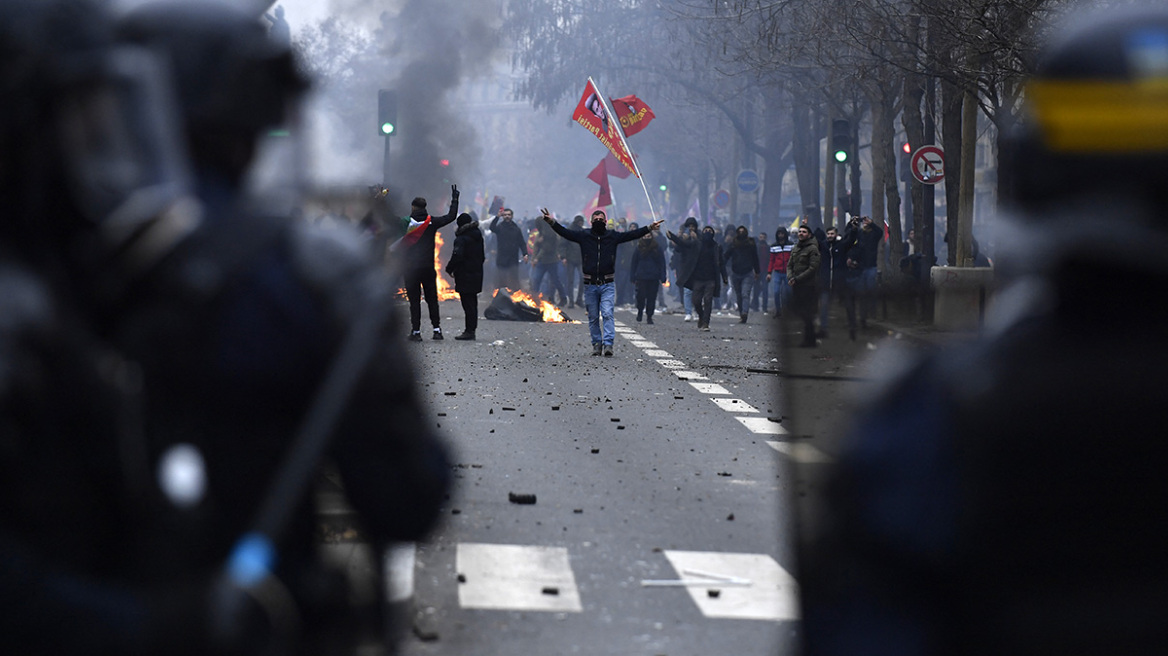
<point x="598" y="256"/>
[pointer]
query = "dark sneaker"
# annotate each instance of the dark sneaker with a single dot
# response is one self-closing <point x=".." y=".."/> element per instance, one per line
<point x="416" y="336"/>
<point x="742" y="319"/>
<point x="596" y="349"/>
<point x="649" y="320"/>
<point x="465" y="336"/>
<point x="437" y="333"/>
<point x="608" y="350"/>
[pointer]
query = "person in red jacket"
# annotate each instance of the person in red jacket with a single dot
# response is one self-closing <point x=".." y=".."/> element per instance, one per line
<point x="780" y="254"/>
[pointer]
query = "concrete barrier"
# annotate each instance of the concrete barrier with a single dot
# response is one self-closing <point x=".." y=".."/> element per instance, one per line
<point x="960" y="296"/>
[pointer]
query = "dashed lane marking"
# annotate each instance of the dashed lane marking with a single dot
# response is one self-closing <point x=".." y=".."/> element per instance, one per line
<point x="771" y="593"/>
<point x="733" y="405"/>
<point x="399" y="564"/>
<point x="762" y="425"/>
<point x="709" y="388"/>
<point x="516" y="577"/>
<point x="688" y="375"/>
<point x="800" y="452"/>
<point x="657" y="353"/>
<point x="671" y="364"/>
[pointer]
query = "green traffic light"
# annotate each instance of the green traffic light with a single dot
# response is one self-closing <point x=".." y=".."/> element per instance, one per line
<point x="387" y="128"/>
<point x="662" y="187"/>
<point x="841" y="156"/>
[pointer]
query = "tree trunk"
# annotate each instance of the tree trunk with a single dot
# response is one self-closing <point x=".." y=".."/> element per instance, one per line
<point x="885" y="193"/>
<point x="805" y="142"/>
<point x="951" y="110"/>
<point x="968" y="159"/>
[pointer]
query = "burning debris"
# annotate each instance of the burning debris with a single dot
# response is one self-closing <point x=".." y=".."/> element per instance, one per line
<point x="520" y="306"/>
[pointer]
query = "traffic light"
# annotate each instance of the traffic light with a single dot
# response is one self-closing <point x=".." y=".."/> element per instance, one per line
<point x="663" y="187"/>
<point x="841" y="140"/>
<point x="386" y="112"/>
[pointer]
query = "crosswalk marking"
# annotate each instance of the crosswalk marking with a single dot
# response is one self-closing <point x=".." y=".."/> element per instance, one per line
<point x="643" y="344"/>
<point x="657" y="353"/>
<point x="516" y="577"/>
<point x="671" y="364"/>
<point x="733" y="405"/>
<point x="772" y="593"/>
<point x="800" y="452"/>
<point x="688" y="375"/>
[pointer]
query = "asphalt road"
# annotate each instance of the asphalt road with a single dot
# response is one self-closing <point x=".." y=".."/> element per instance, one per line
<point x="661" y="463"/>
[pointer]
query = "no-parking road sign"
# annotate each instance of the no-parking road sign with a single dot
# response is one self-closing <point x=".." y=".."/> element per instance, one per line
<point x="928" y="164"/>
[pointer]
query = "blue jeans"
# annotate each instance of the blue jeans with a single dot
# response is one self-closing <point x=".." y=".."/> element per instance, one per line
<point x="687" y="300"/>
<point x="599" y="299"/>
<point x="552" y="271"/>
<point x="782" y="291"/>
<point x="864" y="286"/>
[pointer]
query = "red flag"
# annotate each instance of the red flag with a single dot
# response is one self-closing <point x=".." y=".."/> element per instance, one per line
<point x="614" y="167"/>
<point x="600" y="176"/>
<point x="633" y="113"/>
<point x="592" y="112"/>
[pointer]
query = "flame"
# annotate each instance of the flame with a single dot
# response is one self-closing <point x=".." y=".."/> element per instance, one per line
<point x="551" y="313"/>
<point x="445" y="290"/>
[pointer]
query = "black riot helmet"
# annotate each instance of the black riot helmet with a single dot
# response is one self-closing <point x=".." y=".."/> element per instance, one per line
<point x="1096" y="116"/>
<point x="232" y="80"/>
<point x="90" y="161"/>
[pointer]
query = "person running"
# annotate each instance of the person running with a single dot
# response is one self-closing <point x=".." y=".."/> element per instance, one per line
<point x="598" y="255"/>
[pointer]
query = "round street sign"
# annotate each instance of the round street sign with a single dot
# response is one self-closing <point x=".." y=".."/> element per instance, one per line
<point x="928" y="164"/>
<point x="747" y="181"/>
<point x="721" y="199"/>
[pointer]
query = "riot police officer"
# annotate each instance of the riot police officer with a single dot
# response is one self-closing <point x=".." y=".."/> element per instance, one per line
<point x="1007" y="497"/>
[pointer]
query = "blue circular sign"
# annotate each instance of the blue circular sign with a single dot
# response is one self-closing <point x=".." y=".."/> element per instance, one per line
<point x="747" y="181"/>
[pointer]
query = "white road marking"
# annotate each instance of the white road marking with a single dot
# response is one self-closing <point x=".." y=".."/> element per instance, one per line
<point x="762" y="425"/>
<point x="644" y="344"/>
<point x="709" y="388"/>
<point x="800" y="452"/>
<point x="772" y="594"/>
<point x="688" y="375"/>
<point x="734" y="405"/>
<point x="516" y="577"/>
<point x="671" y="364"/>
<point x="657" y="353"/>
<point x="399" y="566"/>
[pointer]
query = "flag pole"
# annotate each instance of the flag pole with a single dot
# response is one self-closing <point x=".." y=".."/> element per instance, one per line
<point x="621" y="133"/>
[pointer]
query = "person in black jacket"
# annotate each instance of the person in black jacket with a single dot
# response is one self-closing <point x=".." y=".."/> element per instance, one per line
<point x="647" y="271"/>
<point x="862" y="262"/>
<point x="742" y="254"/>
<point x="418" y="265"/>
<point x="704" y="271"/>
<point x="466" y="265"/>
<point x="598" y="255"/>
<point x="510" y="248"/>
<point x="833" y="279"/>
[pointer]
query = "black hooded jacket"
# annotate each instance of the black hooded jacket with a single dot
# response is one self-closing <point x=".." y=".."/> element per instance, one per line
<point x="598" y="250"/>
<point x="420" y="254"/>
<point x="466" y="261"/>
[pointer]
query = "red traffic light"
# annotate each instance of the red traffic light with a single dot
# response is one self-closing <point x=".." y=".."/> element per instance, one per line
<point x="444" y="162"/>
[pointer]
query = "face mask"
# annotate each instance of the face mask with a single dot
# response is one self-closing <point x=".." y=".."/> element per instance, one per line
<point x="598" y="227"/>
